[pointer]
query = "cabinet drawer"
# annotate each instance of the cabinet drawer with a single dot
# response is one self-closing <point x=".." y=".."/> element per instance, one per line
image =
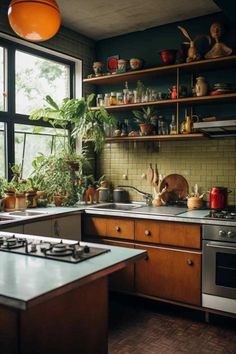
<point x="95" y="226"/>
<point x="120" y="228"/>
<point x="168" y="233"/>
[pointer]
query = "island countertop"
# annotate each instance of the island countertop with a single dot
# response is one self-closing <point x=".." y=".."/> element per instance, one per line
<point x="26" y="280"/>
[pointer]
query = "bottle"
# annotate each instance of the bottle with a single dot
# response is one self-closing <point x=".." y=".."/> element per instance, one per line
<point x="99" y="100"/>
<point x="107" y="99"/>
<point x="173" y="94"/>
<point x="173" y="129"/>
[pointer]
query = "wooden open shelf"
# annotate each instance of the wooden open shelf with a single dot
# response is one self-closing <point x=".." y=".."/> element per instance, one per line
<point x="147" y="138"/>
<point x="169" y="102"/>
<point x="209" y="64"/>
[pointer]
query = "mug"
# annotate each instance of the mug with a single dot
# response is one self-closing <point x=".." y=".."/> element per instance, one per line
<point x="121" y="65"/>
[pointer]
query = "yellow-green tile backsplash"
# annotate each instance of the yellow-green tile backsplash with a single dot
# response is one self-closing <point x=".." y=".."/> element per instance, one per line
<point x="207" y="163"/>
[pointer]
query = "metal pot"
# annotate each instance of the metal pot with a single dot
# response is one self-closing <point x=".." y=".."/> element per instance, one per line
<point x="120" y="195"/>
<point x="219" y="197"/>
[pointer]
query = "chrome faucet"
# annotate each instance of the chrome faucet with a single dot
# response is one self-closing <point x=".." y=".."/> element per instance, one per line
<point x="147" y="196"/>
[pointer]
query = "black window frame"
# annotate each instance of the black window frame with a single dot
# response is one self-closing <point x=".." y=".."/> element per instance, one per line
<point x="10" y="117"/>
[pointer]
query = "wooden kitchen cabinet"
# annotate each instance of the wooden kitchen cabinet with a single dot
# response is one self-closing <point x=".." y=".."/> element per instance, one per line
<point x="68" y="227"/>
<point x="17" y="229"/>
<point x="122" y="280"/>
<point x="172" y="274"/>
<point x="173" y="268"/>
<point x="40" y="228"/>
<point x="168" y="233"/>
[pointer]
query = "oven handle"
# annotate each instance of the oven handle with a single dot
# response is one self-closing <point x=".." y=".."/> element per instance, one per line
<point x="222" y="247"/>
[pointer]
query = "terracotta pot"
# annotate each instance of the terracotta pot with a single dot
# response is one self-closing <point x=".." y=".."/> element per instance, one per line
<point x="31" y="199"/>
<point x="59" y="200"/>
<point x="20" y="201"/>
<point x="146" y="128"/>
<point x="9" y="201"/>
<point x="194" y="203"/>
<point x="168" y="56"/>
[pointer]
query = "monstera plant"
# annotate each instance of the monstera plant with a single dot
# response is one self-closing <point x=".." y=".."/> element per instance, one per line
<point x="77" y="114"/>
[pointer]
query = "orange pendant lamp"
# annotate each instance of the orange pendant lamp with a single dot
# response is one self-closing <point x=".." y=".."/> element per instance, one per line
<point x="34" y="20"/>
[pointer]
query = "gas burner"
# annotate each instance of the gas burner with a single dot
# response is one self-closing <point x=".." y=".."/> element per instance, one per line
<point x="11" y="242"/>
<point x="48" y="249"/>
<point x="227" y="214"/>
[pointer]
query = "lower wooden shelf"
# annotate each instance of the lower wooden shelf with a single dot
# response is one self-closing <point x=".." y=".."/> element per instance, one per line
<point x="194" y="136"/>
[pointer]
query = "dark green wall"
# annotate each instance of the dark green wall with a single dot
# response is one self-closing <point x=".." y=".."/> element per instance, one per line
<point x="146" y="44"/>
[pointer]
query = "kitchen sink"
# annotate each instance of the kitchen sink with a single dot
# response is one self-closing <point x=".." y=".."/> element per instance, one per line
<point x="26" y="213"/>
<point x="116" y="206"/>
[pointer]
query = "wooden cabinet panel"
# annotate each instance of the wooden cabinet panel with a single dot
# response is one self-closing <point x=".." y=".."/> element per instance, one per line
<point x="67" y="227"/>
<point x="18" y="229"/>
<point x="170" y="274"/>
<point x="95" y="226"/>
<point x="120" y="228"/>
<point x="168" y="233"/>
<point x="122" y="280"/>
<point x="41" y="228"/>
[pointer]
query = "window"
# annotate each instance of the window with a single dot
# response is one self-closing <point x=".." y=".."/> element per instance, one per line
<point x="2" y="150"/>
<point x="2" y="80"/>
<point x="37" y="77"/>
<point x="31" y="141"/>
<point x="27" y="74"/>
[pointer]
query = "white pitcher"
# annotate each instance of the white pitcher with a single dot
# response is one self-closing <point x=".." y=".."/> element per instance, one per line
<point x="201" y="86"/>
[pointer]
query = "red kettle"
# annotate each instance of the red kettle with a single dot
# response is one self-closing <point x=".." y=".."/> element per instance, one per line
<point x="218" y="197"/>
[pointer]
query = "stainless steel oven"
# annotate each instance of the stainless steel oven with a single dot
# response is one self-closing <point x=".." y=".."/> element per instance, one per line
<point x="219" y="267"/>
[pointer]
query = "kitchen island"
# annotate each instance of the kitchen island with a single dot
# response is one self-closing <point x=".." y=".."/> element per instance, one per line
<point x="49" y="306"/>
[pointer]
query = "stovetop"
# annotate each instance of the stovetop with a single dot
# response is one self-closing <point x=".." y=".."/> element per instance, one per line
<point x="59" y="251"/>
<point x="225" y="214"/>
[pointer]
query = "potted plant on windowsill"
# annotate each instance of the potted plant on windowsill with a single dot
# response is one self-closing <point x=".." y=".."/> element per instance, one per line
<point x="144" y="118"/>
<point x="78" y="115"/>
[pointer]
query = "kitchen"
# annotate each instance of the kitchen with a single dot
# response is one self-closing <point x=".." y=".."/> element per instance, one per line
<point x="206" y="162"/>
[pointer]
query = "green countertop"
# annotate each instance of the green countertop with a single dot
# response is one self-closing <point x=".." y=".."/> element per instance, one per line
<point x="26" y="279"/>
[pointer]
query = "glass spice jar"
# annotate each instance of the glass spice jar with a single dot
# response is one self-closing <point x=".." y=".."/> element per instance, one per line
<point x="119" y="98"/>
<point x="113" y="100"/>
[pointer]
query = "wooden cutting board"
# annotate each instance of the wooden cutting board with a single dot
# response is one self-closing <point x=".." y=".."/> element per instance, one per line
<point x="150" y="174"/>
<point x="177" y="187"/>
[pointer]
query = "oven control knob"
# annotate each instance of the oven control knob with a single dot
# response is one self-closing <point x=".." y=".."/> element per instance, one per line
<point x="222" y="233"/>
<point x="230" y="234"/>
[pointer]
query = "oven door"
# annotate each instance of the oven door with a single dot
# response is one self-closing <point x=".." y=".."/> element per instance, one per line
<point x="219" y="269"/>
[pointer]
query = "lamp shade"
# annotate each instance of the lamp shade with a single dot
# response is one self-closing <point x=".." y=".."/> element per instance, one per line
<point x="34" y="20"/>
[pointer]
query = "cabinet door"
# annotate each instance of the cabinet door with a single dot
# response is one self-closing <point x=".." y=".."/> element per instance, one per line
<point x="122" y="280"/>
<point x="41" y="228"/>
<point x="16" y="229"/>
<point x="172" y="274"/>
<point x="168" y="233"/>
<point x="68" y="227"/>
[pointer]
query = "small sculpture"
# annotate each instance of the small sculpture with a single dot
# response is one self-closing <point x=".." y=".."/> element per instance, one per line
<point x="219" y="49"/>
<point x="193" y="53"/>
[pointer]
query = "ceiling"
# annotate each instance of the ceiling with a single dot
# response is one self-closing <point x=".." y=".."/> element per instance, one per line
<point x="100" y="19"/>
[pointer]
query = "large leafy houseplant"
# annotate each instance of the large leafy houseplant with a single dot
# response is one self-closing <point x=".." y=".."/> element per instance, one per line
<point x="144" y="118"/>
<point x="79" y="115"/>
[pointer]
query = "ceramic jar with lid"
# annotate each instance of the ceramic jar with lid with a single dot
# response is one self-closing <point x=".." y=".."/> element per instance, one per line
<point x="201" y="86"/>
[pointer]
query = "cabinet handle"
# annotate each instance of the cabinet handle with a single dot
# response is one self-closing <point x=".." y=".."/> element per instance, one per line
<point x="189" y="262"/>
<point x="147" y="233"/>
<point x="56" y="228"/>
<point x="117" y="228"/>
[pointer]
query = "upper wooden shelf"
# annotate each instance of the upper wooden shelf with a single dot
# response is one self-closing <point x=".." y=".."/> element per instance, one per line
<point x="209" y="64"/>
<point x="169" y="102"/>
